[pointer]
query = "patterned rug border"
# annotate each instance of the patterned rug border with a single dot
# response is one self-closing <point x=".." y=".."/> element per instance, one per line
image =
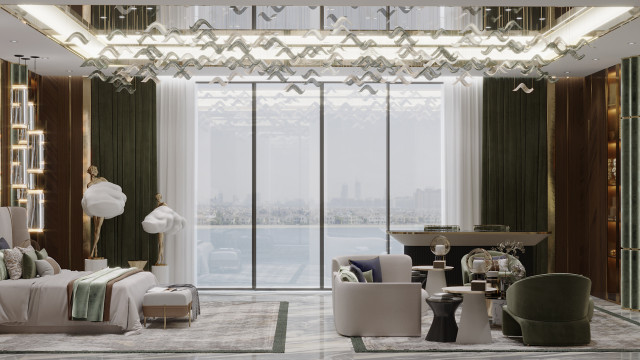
<point x="279" y="342"/>
<point x="360" y="347"/>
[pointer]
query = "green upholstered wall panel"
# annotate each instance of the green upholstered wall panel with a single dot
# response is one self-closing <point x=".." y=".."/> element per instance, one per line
<point x="123" y="147"/>
<point x="630" y="183"/>
<point x="514" y="158"/>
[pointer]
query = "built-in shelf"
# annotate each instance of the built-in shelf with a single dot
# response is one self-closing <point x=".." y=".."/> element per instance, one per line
<point x="613" y="182"/>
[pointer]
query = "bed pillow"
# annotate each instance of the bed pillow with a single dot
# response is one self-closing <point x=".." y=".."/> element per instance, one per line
<point x="3" y="268"/>
<point x="42" y="254"/>
<point x="370" y="264"/>
<point x="4" y="244"/>
<point x="13" y="261"/>
<point x="44" y="268"/>
<point x="54" y="264"/>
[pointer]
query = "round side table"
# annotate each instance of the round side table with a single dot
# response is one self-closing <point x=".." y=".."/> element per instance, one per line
<point x="444" y="327"/>
<point x="435" y="278"/>
<point x="474" y="320"/>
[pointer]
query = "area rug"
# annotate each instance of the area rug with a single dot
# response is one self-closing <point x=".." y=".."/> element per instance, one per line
<point x="222" y="327"/>
<point x="610" y="332"/>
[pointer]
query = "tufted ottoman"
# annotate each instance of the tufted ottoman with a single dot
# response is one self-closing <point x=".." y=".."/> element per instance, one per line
<point x="167" y="303"/>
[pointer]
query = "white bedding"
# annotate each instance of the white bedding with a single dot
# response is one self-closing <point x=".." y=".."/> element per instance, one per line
<point x="43" y="301"/>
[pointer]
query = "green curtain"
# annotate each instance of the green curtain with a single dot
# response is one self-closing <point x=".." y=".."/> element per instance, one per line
<point x="123" y="147"/>
<point x="514" y="158"/>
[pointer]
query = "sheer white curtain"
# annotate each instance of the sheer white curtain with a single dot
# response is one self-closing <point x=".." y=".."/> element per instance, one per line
<point x="462" y="146"/>
<point x="176" y="102"/>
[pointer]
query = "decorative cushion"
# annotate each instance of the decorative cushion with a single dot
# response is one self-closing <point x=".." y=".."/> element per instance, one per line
<point x="346" y="275"/>
<point x="4" y="244"/>
<point x="13" y="261"/>
<point x="29" y="265"/>
<point x="356" y="270"/>
<point x="42" y="254"/>
<point x="370" y="264"/>
<point x="368" y="276"/>
<point x="44" y="268"/>
<point x="3" y="268"/>
<point x="54" y="264"/>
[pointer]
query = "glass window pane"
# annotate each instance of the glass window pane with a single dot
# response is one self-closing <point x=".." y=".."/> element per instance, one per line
<point x="360" y="17"/>
<point x="224" y="186"/>
<point x="355" y="171"/>
<point x="288" y="186"/>
<point x="433" y="18"/>
<point x="416" y="157"/>
<point x="220" y="17"/>
<point x="288" y="17"/>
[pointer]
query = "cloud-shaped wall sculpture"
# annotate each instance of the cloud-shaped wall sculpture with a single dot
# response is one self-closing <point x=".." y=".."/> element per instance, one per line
<point x="163" y="220"/>
<point x="104" y="199"/>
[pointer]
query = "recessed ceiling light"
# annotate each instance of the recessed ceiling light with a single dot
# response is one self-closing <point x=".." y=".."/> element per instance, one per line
<point x="121" y="16"/>
<point x="488" y="9"/>
<point x="488" y="27"/>
<point x="595" y="59"/>
<point x="542" y="19"/>
<point x="631" y="43"/>
<point x="103" y="17"/>
<point x="133" y="8"/>
<point x="13" y="41"/>
<point x="519" y="18"/>
<point x="507" y="9"/>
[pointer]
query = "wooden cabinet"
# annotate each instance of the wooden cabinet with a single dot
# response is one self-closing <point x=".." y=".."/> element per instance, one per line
<point x="613" y="184"/>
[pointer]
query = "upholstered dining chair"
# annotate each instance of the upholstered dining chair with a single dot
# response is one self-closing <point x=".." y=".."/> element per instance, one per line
<point x="549" y="310"/>
<point x="466" y="273"/>
<point x="388" y="308"/>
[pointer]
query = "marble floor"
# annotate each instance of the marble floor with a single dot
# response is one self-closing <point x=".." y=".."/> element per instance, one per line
<point x="311" y="335"/>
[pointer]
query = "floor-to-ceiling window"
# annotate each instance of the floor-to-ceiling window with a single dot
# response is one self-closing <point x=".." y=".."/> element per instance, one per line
<point x="287" y="186"/>
<point x="355" y="168"/>
<point x="289" y="178"/>
<point x="223" y="230"/>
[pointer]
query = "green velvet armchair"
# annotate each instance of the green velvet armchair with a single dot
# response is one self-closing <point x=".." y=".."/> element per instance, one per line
<point x="550" y="310"/>
<point x="466" y="274"/>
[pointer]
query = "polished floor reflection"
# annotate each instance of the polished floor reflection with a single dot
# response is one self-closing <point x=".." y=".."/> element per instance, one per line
<point x="311" y="335"/>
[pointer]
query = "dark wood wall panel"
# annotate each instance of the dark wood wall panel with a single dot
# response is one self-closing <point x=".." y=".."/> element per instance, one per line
<point x="5" y="114"/>
<point x="581" y="178"/>
<point x="60" y="111"/>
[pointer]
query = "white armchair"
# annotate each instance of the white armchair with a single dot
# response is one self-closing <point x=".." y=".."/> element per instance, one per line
<point x="390" y="308"/>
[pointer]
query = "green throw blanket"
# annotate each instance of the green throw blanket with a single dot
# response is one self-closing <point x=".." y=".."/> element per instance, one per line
<point x="89" y="293"/>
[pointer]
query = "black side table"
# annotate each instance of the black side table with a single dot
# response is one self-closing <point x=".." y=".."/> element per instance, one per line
<point x="444" y="327"/>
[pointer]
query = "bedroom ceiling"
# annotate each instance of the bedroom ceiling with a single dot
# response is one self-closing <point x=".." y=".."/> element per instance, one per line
<point x="20" y="38"/>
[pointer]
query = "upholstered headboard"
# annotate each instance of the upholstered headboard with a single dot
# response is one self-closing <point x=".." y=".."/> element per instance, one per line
<point x="13" y="225"/>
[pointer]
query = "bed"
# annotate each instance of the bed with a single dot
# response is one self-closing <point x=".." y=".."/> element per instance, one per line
<point x="41" y="304"/>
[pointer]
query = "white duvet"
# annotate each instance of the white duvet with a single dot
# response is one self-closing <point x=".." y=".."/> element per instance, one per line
<point x="43" y="301"/>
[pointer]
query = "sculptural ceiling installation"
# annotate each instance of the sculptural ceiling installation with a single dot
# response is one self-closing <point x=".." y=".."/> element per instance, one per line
<point x="305" y="44"/>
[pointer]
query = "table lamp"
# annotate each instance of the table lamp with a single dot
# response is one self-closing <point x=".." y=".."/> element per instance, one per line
<point x="440" y="247"/>
<point x="102" y="200"/>
<point x="162" y="220"/>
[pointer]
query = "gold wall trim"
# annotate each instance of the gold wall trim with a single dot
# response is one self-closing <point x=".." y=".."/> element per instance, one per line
<point x="86" y="159"/>
<point x="551" y="178"/>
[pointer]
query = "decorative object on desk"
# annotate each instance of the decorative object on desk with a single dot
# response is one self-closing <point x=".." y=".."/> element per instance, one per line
<point x="479" y="261"/>
<point x="162" y="220"/>
<point x="440" y="247"/>
<point x="491" y="228"/>
<point x="478" y="285"/>
<point x="611" y="172"/>
<point x="140" y="264"/>
<point x="102" y="200"/>
<point x="442" y="228"/>
<point x="514" y="270"/>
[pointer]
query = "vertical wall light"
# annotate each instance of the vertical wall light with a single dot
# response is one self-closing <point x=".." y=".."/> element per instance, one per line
<point x="27" y="151"/>
<point x="630" y="183"/>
